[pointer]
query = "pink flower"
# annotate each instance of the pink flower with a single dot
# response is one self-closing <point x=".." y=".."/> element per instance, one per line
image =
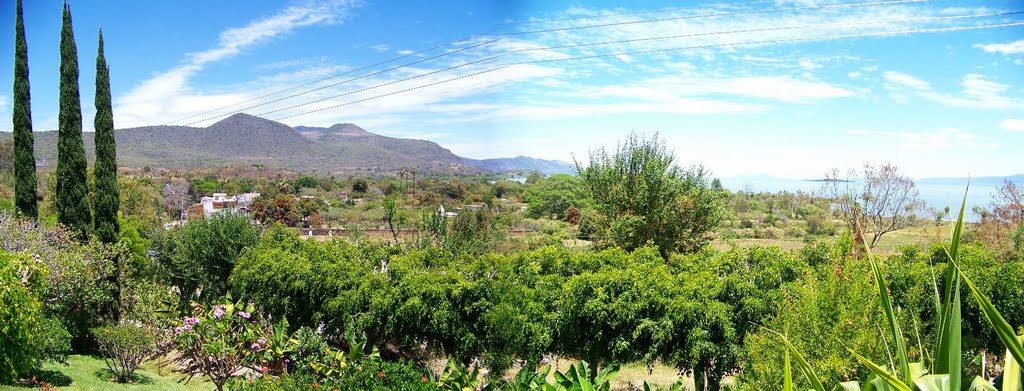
<point x="218" y="311"/>
<point x="243" y="314"/>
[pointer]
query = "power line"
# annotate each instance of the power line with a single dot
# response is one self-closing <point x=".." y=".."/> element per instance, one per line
<point x="334" y="76"/>
<point x="844" y="36"/>
<point x="487" y="59"/>
<point x="772" y="10"/>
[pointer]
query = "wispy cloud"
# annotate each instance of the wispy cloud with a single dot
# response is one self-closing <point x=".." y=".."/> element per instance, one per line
<point x="977" y="91"/>
<point x="380" y="47"/>
<point x="168" y="94"/>
<point x="1015" y="47"/>
<point x="1013" y="125"/>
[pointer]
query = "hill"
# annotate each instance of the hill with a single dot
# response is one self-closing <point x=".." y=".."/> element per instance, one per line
<point x="243" y="139"/>
<point x="523" y="163"/>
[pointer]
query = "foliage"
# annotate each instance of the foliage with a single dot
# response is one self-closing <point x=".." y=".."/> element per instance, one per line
<point x="24" y="153"/>
<point x="219" y="340"/>
<point x="198" y="257"/>
<point x="124" y="348"/>
<point x="106" y="196"/>
<point x="20" y="307"/>
<point x="641" y="196"/>
<point x="555" y="196"/>
<point x="72" y="191"/>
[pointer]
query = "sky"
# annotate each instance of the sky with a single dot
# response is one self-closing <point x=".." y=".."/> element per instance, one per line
<point x="781" y="88"/>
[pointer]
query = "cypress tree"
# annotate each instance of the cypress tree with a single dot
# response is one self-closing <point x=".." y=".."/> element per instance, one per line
<point x="72" y="193"/>
<point x="24" y="155"/>
<point x="106" y="198"/>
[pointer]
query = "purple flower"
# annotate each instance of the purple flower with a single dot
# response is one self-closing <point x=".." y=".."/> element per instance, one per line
<point x="218" y="311"/>
<point x="255" y="346"/>
<point x="261" y="341"/>
<point x="243" y="314"/>
<point x="190" y="321"/>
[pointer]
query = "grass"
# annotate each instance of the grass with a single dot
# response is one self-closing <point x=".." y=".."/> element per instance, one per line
<point x="89" y="373"/>
<point x="922" y="236"/>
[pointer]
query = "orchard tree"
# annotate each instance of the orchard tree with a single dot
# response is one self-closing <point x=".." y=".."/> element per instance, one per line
<point x="881" y="201"/>
<point x="24" y="155"/>
<point x="107" y="197"/>
<point x="72" y="191"/>
<point x="641" y="195"/>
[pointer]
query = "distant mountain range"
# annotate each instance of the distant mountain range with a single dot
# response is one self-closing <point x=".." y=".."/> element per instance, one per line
<point x="243" y="139"/>
<point x="523" y="163"/>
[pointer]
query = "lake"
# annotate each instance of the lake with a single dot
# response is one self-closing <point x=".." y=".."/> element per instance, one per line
<point x="935" y="192"/>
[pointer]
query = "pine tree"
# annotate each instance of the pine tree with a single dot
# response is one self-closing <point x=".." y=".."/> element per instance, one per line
<point x="72" y="193"/>
<point x="106" y="198"/>
<point x="24" y="155"/>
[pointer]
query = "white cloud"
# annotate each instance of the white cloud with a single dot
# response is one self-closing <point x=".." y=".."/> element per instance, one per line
<point x="899" y="79"/>
<point x="405" y="52"/>
<point x="1016" y="47"/>
<point x="167" y="96"/>
<point x="1013" y="125"/>
<point x="380" y="48"/>
<point x="976" y="92"/>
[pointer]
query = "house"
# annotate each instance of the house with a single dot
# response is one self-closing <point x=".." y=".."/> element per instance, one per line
<point x="219" y="203"/>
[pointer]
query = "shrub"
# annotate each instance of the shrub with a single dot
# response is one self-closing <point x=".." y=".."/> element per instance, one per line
<point x="124" y="348"/>
<point x="221" y="340"/>
<point x="20" y="310"/>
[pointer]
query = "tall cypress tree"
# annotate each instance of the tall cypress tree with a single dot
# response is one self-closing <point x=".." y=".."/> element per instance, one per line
<point x="72" y="195"/>
<point x="106" y="198"/>
<point x="24" y="155"/>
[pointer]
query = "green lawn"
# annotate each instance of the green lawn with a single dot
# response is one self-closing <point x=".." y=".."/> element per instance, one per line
<point x="84" y="373"/>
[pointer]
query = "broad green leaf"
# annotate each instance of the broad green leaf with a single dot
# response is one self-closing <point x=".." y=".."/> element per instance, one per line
<point x="999" y="324"/>
<point x="801" y="362"/>
<point x="847" y="386"/>
<point x="980" y="384"/>
<point x="948" y="355"/>
<point x="787" y="381"/>
<point x="890" y="317"/>
<point x="933" y="383"/>
<point x="1012" y="373"/>
<point x="882" y="374"/>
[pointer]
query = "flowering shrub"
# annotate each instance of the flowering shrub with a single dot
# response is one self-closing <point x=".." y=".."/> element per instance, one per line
<point x="222" y="339"/>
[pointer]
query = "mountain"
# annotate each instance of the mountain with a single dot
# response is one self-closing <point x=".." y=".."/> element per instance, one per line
<point x="242" y="139"/>
<point x="523" y="163"/>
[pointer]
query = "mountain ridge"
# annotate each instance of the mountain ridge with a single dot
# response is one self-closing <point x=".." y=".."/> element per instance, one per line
<point x="243" y="139"/>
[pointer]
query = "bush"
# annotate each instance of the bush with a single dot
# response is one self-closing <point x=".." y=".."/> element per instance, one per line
<point x="221" y="340"/>
<point x="123" y="349"/>
<point x="378" y="375"/>
<point x="20" y="310"/>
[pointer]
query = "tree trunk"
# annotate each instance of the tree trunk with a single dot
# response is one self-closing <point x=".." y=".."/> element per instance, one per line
<point x="698" y="380"/>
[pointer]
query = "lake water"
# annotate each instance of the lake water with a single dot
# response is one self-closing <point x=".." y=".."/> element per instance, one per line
<point x="936" y="193"/>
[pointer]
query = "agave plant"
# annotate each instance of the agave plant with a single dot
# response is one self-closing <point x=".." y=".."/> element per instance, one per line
<point x="945" y="373"/>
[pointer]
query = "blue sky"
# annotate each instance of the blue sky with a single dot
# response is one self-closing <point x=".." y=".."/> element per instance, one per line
<point x="936" y="104"/>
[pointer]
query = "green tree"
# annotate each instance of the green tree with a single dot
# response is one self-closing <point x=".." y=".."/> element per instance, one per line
<point x="72" y="192"/>
<point x="107" y="197"/>
<point x="198" y="257"/>
<point x="24" y="155"/>
<point x="554" y="195"/>
<point x="641" y="196"/>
